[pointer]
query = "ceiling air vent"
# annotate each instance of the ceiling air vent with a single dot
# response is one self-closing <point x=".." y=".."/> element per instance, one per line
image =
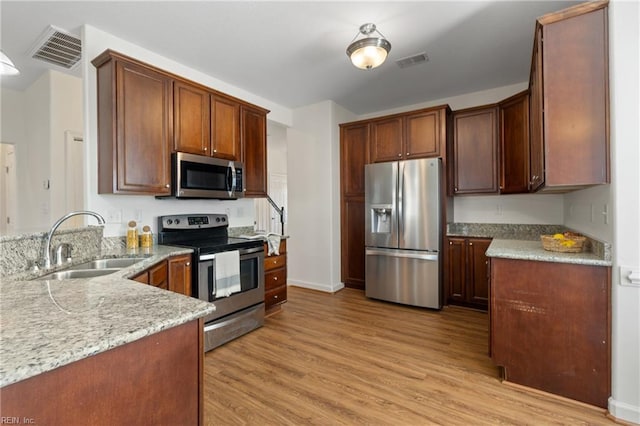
<point x="58" y="47"/>
<point x="412" y="60"/>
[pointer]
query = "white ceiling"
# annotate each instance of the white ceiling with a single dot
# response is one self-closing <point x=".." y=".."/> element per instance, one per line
<point x="293" y="53"/>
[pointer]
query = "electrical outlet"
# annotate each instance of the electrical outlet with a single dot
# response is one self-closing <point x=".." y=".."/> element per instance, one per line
<point x="498" y="209"/>
<point x="114" y="216"/>
<point x="138" y="216"/>
<point x="605" y="213"/>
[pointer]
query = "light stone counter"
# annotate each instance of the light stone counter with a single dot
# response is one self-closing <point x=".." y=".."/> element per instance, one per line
<point x="45" y="324"/>
<point x="532" y="250"/>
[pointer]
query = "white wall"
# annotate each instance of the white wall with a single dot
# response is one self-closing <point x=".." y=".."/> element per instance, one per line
<point x="314" y="196"/>
<point x="12" y="131"/>
<point x="147" y="208"/>
<point x="66" y="115"/>
<point x="624" y="63"/>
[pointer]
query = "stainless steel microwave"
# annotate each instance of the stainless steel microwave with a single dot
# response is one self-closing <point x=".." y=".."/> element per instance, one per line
<point x="198" y="176"/>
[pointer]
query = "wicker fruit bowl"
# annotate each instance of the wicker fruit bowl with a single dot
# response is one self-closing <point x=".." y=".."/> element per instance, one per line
<point x="568" y="242"/>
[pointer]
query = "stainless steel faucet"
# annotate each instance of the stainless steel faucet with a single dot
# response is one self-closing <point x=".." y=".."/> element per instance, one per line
<point x="47" y="247"/>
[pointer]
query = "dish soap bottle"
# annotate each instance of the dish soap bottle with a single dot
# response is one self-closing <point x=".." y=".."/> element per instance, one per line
<point x="132" y="236"/>
<point x="146" y="238"/>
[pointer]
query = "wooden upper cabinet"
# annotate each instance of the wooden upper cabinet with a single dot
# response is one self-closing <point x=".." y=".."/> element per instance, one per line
<point x="536" y="144"/>
<point x="418" y="134"/>
<point x="354" y="154"/>
<point x="387" y="139"/>
<point x="514" y="144"/>
<point x="191" y="130"/>
<point x="254" y="143"/>
<point x="475" y="150"/>
<point x="134" y="127"/>
<point x="225" y="128"/>
<point x="572" y="60"/>
<point x="423" y="134"/>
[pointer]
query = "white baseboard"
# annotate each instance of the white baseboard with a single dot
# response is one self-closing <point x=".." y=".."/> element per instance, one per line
<point x="624" y="411"/>
<point x="328" y="288"/>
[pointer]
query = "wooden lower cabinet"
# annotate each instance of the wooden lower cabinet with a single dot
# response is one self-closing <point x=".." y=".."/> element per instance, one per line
<point x="153" y="380"/>
<point x="275" y="278"/>
<point x="467" y="272"/>
<point x="551" y="327"/>
<point x="173" y="274"/>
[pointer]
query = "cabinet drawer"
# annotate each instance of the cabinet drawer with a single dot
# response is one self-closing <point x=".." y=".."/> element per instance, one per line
<point x="274" y="262"/>
<point x="275" y="296"/>
<point x="275" y="278"/>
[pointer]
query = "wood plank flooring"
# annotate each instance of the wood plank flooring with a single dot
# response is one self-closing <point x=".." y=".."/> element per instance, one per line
<point x="342" y="359"/>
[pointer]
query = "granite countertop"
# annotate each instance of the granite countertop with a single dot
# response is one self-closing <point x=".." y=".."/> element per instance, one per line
<point x="46" y="324"/>
<point x="532" y="250"/>
<point x="522" y="241"/>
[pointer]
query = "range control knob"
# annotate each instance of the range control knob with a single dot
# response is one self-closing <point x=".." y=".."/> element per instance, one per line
<point x="177" y="221"/>
<point x="169" y="221"/>
<point x="224" y="219"/>
<point x="217" y="219"/>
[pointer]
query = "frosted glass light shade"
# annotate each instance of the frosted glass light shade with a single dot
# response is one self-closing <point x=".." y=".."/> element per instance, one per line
<point x="6" y="65"/>
<point x="368" y="52"/>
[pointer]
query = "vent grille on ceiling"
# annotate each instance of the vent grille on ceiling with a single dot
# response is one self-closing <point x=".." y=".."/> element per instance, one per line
<point x="58" y="47"/>
<point x="412" y="60"/>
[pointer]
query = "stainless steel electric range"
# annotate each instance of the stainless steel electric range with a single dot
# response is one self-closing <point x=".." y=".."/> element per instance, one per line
<point x="239" y="308"/>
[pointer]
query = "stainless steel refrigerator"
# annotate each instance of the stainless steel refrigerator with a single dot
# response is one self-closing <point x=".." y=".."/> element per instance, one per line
<point x="402" y="232"/>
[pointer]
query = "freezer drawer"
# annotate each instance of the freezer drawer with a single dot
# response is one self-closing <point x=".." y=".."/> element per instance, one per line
<point x="403" y="276"/>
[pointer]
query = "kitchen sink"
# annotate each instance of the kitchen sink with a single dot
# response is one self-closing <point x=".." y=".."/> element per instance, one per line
<point x="115" y="263"/>
<point x="78" y="273"/>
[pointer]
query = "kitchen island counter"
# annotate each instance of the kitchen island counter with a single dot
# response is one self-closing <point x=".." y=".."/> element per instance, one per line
<point x="46" y="324"/>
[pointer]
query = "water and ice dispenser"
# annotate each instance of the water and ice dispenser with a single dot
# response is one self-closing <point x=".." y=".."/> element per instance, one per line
<point x="381" y="218"/>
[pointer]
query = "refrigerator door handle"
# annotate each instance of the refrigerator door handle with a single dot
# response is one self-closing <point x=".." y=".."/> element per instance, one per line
<point x="402" y="253"/>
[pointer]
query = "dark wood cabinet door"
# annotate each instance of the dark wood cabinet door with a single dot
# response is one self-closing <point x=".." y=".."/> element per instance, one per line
<point x="143" y="119"/>
<point x="576" y="100"/>
<point x="180" y="274"/>
<point x="353" y="268"/>
<point x="354" y="154"/>
<point x="478" y="272"/>
<point x="387" y="140"/>
<point x="514" y="144"/>
<point x="456" y="269"/>
<point x="158" y="276"/>
<point x="190" y="119"/>
<point x="422" y="135"/>
<point x="225" y="128"/>
<point x="475" y="150"/>
<point x="254" y="143"/>
<point x="536" y="150"/>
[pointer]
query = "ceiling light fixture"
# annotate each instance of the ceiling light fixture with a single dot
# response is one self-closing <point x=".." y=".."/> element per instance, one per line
<point x="368" y="52"/>
<point x="6" y="65"/>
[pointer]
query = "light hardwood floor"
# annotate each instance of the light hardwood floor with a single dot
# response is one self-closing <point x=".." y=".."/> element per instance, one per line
<point x="341" y="359"/>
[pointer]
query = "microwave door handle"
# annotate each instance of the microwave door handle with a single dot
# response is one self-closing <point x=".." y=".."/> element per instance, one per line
<point x="231" y="186"/>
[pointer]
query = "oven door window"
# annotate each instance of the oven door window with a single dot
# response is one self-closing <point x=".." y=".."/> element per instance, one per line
<point x="249" y="272"/>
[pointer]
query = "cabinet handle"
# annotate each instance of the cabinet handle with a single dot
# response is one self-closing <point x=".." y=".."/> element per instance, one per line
<point x="399" y="155"/>
<point x="275" y="261"/>
<point x="455" y="189"/>
<point x="188" y="264"/>
<point x="275" y="297"/>
<point x="215" y="150"/>
<point x="275" y="278"/>
<point x="408" y="153"/>
<point x="167" y="185"/>
<point x="450" y="243"/>
<point x="470" y="244"/>
<point x="205" y="149"/>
